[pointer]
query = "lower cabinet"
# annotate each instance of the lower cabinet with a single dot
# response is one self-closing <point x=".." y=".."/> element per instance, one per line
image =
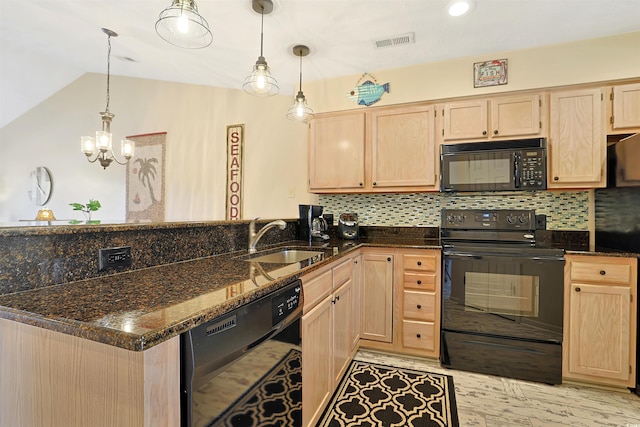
<point x="401" y="301"/>
<point x="377" y="295"/>
<point x="327" y="336"/>
<point x="600" y="320"/>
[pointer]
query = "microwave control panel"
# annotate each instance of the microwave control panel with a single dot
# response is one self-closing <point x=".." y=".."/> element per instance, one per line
<point x="533" y="169"/>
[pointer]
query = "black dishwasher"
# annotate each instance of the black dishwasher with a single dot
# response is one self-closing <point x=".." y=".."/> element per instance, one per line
<point x="211" y="350"/>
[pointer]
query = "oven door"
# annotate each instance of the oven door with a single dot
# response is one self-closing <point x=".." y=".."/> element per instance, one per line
<point x="515" y="293"/>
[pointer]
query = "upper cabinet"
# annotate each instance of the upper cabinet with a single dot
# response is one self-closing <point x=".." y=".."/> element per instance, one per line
<point x="624" y="114"/>
<point x="336" y="152"/>
<point x="577" y="143"/>
<point x="495" y="118"/>
<point x="382" y="150"/>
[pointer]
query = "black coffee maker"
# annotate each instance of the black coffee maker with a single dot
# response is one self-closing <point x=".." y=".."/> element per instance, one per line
<point x="310" y="216"/>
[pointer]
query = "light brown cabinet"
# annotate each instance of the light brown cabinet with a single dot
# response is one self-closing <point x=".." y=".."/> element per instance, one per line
<point x="600" y="320"/>
<point x="327" y="335"/>
<point x="336" y="153"/>
<point x="377" y="295"/>
<point x="624" y="115"/>
<point x="421" y="303"/>
<point x="382" y="150"/>
<point x="577" y="143"/>
<point x="494" y="118"/>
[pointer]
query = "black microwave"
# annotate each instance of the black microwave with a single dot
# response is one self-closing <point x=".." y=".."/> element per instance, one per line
<point x="508" y="165"/>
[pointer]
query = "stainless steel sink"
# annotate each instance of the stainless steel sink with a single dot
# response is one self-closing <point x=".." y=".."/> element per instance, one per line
<point x="287" y="256"/>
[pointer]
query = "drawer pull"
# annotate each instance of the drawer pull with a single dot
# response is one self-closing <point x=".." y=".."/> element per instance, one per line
<point x="388" y="259"/>
<point x="577" y="289"/>
<point x="417" y="335"/>
<point x="419" y="306"/>
<point x="602" y="272"/>
<point x="419" y="262"/>
<point x="419" y="282"/>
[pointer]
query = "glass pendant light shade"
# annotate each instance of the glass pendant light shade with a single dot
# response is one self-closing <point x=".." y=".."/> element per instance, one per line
<point x="300" y="110"/>
<point x="260" y="82"/>
<point x="87" y="145"/>
<point x="103" y="141"/>
<point x="181" y="25"/>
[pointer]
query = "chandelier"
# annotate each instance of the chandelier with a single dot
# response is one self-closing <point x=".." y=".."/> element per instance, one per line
<point x="101" y="145"/>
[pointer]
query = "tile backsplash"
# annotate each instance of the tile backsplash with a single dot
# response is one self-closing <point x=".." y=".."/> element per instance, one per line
<point x="564" y="210"/>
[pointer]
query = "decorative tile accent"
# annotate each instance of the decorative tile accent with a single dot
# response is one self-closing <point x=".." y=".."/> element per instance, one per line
<point x="564" y="210"/>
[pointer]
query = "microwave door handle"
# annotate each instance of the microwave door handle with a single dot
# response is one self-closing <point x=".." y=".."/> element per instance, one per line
<point x="516" y="170"/>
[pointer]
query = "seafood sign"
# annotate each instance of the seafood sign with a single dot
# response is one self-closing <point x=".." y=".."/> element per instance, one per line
<point x="368" y="92"/>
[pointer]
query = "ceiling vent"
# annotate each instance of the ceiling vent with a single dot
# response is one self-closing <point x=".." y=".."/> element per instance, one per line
<point x="408" y="38"/>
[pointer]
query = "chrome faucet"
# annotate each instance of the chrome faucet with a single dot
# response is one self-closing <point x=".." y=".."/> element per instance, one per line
<point x="255" y="237"/>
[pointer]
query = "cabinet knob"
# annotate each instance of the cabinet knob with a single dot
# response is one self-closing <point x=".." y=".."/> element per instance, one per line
<point x="419" y="262"/>
<point x="577" y="289"/>
<point x="388" y="259"/>
<point x="495" y="132"/>
<point x="337" y="297"/>
<point x="360" y="184"/>
<point x="484" y="132"/>
<point x="375" y="183"/>
<point x="419" y="282"/>
<point x="555" y="178"/>
<point x="417" y="335"/>
<point x="419" y="306"/>
<point x="355" y="262"/>
<point x="602" y="272"/>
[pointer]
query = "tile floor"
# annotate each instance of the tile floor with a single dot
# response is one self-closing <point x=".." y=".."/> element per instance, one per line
<point x="488" y="401"/>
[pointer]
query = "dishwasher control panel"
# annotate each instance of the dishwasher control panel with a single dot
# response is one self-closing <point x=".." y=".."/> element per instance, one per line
<point x="285" y="303"/>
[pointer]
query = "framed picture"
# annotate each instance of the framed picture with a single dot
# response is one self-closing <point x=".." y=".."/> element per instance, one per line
<point x="145" y="178"/>
<point x="490" y="73"/>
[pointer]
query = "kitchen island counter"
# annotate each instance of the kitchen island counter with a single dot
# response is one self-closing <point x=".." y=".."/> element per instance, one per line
<point x="139" y="309"/>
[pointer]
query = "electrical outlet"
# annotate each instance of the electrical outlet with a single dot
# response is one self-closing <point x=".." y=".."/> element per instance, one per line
<point x="114" y="257"/>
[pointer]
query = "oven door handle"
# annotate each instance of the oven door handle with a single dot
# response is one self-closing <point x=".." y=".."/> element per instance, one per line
<point x="502" y="256"/>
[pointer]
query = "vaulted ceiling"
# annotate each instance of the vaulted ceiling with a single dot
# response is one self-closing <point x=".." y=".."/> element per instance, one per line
<point x="46" y="44"/>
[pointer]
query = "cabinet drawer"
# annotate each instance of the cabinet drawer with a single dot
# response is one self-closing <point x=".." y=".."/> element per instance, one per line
<point x="419" y="305"/>
<point x="600" y="272"/>
<point x="419" y="262"/>
<point x="420" y="281"/>
<point x="342" y="273"/>
<point x="420" y="335"/>
<point x="316" y="289"/>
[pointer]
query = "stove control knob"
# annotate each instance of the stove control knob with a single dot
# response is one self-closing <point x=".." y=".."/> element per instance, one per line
<point x="522" y="219"/>
<point x="461" y="218"/>
<point x="511" y="219"/>
<point x="451" y="219"/>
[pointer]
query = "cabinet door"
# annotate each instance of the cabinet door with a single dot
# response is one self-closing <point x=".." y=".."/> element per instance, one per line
<point x="317" y="357"/>
<point x="626" y="107"/>
<point x="377" y="297"/>
<point x="599" y="332"/>
<point x="356" y="318"/>
<point x="403" y="148"/>
<point x="515" y="115"/>
<point x="577" y="144"/>
<point x="342" y="303"/>
<point x="336" y="152"/>
<point x="465" y="120"/>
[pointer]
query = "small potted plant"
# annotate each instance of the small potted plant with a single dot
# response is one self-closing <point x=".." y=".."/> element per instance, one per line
<point x="92" y="206"/>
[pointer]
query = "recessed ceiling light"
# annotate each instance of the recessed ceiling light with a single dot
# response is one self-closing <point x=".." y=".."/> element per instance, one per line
<point x="459" y="7"/>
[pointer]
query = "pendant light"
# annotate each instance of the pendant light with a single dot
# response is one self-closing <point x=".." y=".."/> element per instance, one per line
<point x="260" y="82"/>
<point x="300" y="111"/>
<point x="101" y="145"/>
<point x="181" y="25"/>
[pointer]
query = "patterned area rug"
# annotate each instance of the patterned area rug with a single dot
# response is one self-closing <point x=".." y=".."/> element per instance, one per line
<point x="377" y="395"/>
<point x="275" y="400"/>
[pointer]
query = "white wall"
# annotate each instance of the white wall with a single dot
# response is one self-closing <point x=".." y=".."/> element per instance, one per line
<point x="603" y="59"/>
<point x="195" y="119"/>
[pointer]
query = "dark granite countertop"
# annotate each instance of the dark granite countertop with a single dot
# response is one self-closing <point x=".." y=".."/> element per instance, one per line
<point x="138" y="309"/>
